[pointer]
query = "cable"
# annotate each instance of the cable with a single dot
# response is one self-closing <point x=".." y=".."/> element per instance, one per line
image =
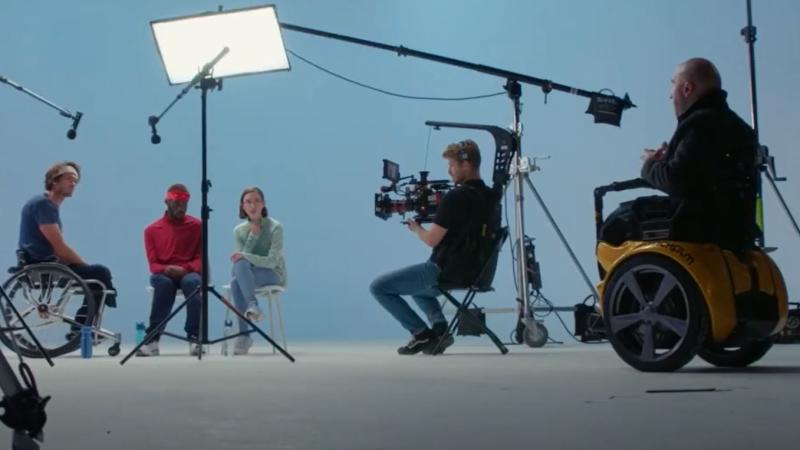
<point x="541" y="296"/>
<point x="538" y="297"/>
<point x="393" y="94"/>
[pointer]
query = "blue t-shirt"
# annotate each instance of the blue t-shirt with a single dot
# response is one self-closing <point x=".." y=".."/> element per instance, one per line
<point x="38" y="211"/>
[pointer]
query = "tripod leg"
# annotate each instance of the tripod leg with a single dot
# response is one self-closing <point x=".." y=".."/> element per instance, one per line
<point x="783" y="202"/>
<point x="563" y="239"/>
<point x="157" y="329"/>
<point x="27" y="329"/>
<point x="258" y="330"/>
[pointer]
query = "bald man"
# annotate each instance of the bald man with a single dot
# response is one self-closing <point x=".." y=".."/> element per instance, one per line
<point x="708" y="168"/>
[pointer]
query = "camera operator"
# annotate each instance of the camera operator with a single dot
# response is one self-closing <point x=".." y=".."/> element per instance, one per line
<point x="467" y="205"/>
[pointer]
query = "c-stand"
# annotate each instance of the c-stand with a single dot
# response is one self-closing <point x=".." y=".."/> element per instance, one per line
<point x="766" y="162"/>
<point x="510" y="167"/>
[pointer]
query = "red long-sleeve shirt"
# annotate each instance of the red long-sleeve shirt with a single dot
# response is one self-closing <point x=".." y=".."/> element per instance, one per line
<point x="174" y="243"/>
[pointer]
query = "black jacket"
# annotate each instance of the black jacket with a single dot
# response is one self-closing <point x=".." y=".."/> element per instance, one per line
<point x="710" y="174"/>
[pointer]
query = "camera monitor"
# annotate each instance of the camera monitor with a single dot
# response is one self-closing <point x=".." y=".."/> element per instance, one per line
<point x="391" y="171"/>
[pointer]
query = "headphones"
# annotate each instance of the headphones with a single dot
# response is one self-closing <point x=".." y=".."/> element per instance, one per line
<point x="462" y="151"/>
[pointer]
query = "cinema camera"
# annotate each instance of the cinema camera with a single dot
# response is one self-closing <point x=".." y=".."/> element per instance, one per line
<point x="420" y="196"/>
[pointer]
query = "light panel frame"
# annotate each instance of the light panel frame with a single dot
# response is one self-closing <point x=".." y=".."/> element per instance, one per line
<point x="253" y="35"/>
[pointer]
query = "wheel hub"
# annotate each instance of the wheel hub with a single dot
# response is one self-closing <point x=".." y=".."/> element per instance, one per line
<point x="43" y="310"/>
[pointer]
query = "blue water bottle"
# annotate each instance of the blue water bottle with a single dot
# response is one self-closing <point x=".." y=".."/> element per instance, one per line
<point x="139" y="332"/>
<point x="86" y="341"/>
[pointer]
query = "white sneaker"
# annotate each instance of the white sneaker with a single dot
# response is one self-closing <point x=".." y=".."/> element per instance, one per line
<point x="254" y="312"/>
<point x="242" y="345"/>
<point x="150" y="349"/>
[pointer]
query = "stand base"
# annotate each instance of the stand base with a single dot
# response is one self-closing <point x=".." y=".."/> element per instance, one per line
<point x="203" y="338"/>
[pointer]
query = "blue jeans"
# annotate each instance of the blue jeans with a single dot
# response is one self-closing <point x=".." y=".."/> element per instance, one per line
<point x="246" y="278"/>
<point x="100" y="273"/>
<point x="94" y="272"/>
<point x="419" y="281"/>
<point x="164" y="290"/>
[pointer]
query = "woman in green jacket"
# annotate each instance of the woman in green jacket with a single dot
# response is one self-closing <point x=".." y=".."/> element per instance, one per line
<point x="257" y="259"/>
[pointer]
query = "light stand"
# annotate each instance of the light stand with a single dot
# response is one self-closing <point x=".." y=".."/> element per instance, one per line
<point x="177" y="38"/>
<point x="605" y="108"/>
<point x="76" y="118"/>
<point x="765" y="161"/>
<point x="206" y="83"/>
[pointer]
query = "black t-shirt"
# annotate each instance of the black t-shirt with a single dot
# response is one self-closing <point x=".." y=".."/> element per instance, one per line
<point x="456" y="212"/>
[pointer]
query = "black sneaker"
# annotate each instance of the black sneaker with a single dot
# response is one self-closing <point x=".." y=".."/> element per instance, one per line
<point x="439" y="345"/>
<point x="417" y="343"/>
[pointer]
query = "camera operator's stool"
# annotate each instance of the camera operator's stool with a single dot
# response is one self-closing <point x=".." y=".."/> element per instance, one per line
<point x="178" y="296"/>
<point x="482" y="283"/>
<point x="272" y="293"/>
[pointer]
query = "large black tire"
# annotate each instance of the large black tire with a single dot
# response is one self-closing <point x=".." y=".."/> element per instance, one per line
<point x="655" y="315"/>
<point x="49" y="297"/>
<point x="735" y="356"/>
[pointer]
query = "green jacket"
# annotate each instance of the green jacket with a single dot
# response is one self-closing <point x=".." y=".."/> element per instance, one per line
<point x="262" y="250"/>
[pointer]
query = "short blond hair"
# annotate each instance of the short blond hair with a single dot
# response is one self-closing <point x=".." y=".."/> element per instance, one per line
<point x="466" y="150"/>
<point x="56" y="170"/>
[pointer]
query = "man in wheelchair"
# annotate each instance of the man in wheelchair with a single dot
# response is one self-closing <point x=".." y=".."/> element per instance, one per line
<point x="681" y="274"/>
<point x="708" y="169"/>
<point x="42" y="243"/>
<point x="461" y="217"/>
<point x="709" y="166"/>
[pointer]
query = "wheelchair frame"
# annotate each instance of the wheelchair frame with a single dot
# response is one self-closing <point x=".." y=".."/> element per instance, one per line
<point x="76" y="284"/>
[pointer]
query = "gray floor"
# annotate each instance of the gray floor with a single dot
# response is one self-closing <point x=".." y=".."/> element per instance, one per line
<point x="363" y="396"/>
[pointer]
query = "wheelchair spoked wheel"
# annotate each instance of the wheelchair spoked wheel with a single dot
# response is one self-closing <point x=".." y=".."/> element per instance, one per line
<point x="654" y="313"/>
<point x="742" y="356"/>
<point x="54" y="302"/>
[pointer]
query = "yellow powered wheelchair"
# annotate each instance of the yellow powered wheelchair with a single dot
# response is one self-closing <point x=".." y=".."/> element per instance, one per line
<point x="665" y="301"/>
<point x="54" y="303"/>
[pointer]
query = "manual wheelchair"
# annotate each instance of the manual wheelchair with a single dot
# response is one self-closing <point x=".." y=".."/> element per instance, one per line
<point x="664" y="301"/>
<point x="55" y="303"/>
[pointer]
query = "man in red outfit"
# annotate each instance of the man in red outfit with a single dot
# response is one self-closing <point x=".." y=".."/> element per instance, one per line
<point x="173" y="244"/>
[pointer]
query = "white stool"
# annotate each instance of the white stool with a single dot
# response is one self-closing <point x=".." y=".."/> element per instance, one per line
<point x="273" y="295"/>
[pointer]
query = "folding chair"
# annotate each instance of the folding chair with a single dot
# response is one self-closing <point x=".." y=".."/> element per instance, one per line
<point x="482" y="283"/>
